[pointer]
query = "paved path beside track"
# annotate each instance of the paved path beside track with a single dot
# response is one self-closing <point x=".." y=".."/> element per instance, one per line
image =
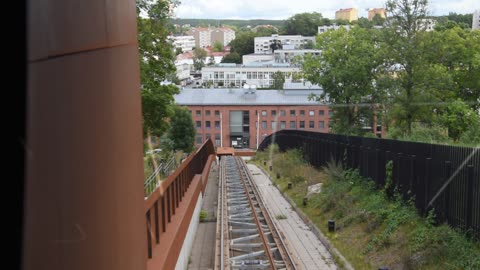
<point x="203" y="251"/>
<point x="308" y="249"/>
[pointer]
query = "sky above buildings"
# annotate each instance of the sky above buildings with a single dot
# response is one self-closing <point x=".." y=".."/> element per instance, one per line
<point x="283" y="9"/>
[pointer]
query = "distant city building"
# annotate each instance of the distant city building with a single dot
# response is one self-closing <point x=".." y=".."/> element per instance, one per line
<point x="243" y="117"/>
<point x="257" y="58"/>
<point x="183" y="71"/>
<point x="262" y="44"/>
<point x="286" y="56"/>
<point x="233" y="75"/>
<point x="186" y="43"/>
<point x="325" y="28"/>
<point x="476" y="20"/>
<point x="348" y="14"/>
<point x="223" y="35"/>
<point x="374" y="11"/>
<point x="202" y="36"/>
<point x="426" y="24"/>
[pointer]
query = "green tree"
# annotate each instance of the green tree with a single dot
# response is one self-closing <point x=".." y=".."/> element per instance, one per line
<point x="305" y="24"/>
<point x="402" y="39"/>
<point x="243" y="43"/>
<point x="364" y="23"/>
<point x="156" y="63"/>
<point x="458" y="117"/>
<point x="278" y="80"/>
<point x="182" y="130"/>
<point x="378" y="20"/>
<point x="346" y="71"/>
<point x="217" y="46"/>
<point x="232" y="58"/>
<point x="178" y="51"/>
<point x="199" y="56"/>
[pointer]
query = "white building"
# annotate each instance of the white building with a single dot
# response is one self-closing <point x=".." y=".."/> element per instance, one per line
<point x="427" y="24"/>
<point x="202" y="36"/>
<point x="183" y="72"/>
<point x="262" y="44"/>
<point x="186" y="43"/>
<point x="232" y="75"/>
<point x="257" y="58"/>
<point x="476" y="20"/>
<point x="325" y="28"/>
<point x="286" y="56"/>
<point x="223" y="35"/>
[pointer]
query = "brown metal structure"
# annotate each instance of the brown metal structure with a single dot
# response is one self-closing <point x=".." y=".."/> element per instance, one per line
<point x="84" y="199"/>
<point x="170" y="207"/>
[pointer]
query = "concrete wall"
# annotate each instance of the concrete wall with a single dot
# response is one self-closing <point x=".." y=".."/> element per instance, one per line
<point x="182" y="263"/>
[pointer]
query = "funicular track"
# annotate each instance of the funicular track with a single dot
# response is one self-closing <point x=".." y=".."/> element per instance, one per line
<point x="247" y="238"/>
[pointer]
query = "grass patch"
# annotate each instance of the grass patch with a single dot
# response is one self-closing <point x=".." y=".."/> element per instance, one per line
<point x="203" y="215"/>
<point x="372" y="229"/>
<point x="281" y="216"/>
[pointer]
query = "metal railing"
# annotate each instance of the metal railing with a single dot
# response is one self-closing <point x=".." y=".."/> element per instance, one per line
<point x="440" y="177"/>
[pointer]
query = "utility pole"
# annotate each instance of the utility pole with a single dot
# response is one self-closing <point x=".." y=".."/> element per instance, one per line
<point x="221" y="130"/>
<point x="258" y="125"/>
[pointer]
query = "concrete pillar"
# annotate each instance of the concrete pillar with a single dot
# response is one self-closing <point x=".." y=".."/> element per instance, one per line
<point x="84" y="204"/>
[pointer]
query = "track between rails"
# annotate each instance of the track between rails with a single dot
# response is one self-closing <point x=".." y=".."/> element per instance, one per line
<point x="247" y="237"/>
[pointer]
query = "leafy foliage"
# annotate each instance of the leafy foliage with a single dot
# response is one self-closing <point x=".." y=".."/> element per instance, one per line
<point x="156" y="63"/>
<point x="182" y="130"/>
<point x="199" y="56"/>
<point x="278" y="80"/>
<point x="305" y="24"/>
<point x="232" y="58"/>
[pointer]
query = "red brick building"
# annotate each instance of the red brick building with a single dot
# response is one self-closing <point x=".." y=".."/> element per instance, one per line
<point x="231" y="116"/>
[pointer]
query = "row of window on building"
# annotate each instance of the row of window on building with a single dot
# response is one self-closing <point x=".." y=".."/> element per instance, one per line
<point x="272" y="113"/>
<point x="199" y="138"/>
<point x="274" y="124"/>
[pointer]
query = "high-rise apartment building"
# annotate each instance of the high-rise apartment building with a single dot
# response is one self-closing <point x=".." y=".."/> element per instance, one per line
<point x="223" y="35"/>
<point x="348" y="14"/>
<point x="374" y="11"/>
<point x="202" y="36"/>
<point x="476" y="20"/>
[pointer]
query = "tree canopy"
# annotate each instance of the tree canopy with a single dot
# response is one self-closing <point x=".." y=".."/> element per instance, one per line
<point x="182" y="130"/>
<point x="156" y="63"/>
<point x="305" y="24"/>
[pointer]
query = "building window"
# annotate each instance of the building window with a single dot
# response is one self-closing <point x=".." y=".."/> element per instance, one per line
<point x="311" y="124"/>
<point x="292" y="112"/>
<point x="198" y="138"/>
<point x="321" y="124"/>
<point x="292" y="124"/>
<point x="283" y="124"/>
<point x="207" y="113"/>
<point x="302" y="112"/>
<point x="217" y="124"/>
<point x="329" y="124"/>
<point x="274" y="125"/>
<point x="302" y="124"/>
<point x="207" y="124"/>
<point x="207" y="136"/>
<point x="217" y="113"/>
<point x="264" y="113"/>
<point x="217" y="139"/>
<point x="311" y="113"/>
<point x="274" y="112"/>
<point x="282" y="113"/>
<point x="198" y="113"/>
<point x="321" y="112"/>
<point x="264" y="124"/>
<point x="198" y="124"/>
<point x="330" y="113"/>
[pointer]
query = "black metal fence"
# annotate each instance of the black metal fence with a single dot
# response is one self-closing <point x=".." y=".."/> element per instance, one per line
<point x="445" y="178"/>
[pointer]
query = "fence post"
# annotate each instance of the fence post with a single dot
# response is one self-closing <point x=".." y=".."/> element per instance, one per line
<point x="448" y="172"/>
<point x="412" y="172"/>
<point x="426" y="181"/>
<point x="469" y="204"/>
<point x="377" y="167"/>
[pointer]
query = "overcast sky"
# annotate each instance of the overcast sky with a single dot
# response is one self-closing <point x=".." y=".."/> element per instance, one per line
<point x="283" y="9"/>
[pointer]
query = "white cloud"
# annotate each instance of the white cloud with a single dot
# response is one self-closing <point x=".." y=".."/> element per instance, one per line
<point x="282" y="9"/>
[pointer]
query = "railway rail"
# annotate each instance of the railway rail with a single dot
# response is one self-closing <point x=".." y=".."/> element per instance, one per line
<point x="247" y="237"/>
